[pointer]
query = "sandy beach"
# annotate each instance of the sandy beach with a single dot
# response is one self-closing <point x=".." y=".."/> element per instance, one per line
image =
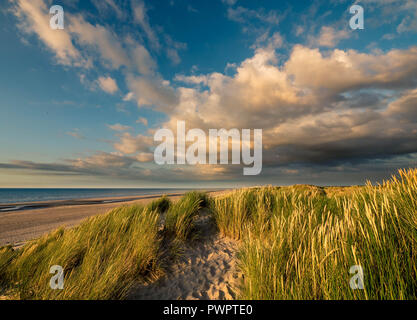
<point x="38" y="218"/>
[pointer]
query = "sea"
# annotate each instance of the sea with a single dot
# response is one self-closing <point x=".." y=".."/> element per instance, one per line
<point x="14" y="195"/>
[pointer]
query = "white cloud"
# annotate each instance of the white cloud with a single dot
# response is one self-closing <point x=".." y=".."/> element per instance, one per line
<point x="118" y="127"/>
<point x="269" y="42"/>
<point x="129" y="96"/>
<point x="102" y="160"/>
<point x="108" y="6"/>
<point x="152" y="91"/>
<point x="350" y="70"/>
<point x="144" y="63"/>
<point x="145" y="157"/>
<point x="142" y="120"/>
<point x="34" y="18"/>
<point x="105" y="42"/>
<point x="108" y="84"/>
<point x="201" y="79"/>
<point x="243" y="15"/>
<point x="134" y="144"/>
<point x="141" y="18"/>
<point x="329" y="37"/>
<point x="173" y="48"/>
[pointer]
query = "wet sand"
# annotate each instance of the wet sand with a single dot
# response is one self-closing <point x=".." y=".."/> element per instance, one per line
<point x="36" y="219"/>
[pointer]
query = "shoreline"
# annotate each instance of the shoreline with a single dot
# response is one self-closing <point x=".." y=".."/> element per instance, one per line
<point x="32" y="205"/>
<point x="36" y="219"/>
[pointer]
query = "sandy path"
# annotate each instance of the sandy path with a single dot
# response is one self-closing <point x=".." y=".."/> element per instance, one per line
<point x="206" y="270"/>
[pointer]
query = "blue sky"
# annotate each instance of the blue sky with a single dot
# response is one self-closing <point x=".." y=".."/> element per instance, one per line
<point x="79" y="106"/>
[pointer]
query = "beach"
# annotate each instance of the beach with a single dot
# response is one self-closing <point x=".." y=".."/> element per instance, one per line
<point x="32" y="220"/>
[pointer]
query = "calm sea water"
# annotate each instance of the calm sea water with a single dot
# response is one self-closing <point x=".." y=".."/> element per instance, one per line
<point x="35" y="195"/>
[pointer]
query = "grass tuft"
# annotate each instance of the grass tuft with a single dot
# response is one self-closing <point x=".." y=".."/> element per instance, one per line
<point x="101" y="258"/>
<point x="180" y="217"/>
<point x="160" y="205"/>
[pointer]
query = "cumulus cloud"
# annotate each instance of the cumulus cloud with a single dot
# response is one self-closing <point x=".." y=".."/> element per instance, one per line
<point x="315" y="108"/>
<point x="134" y="144"/>
<point x="329" y="37"/>
<point x="348" y="70"/>
<point x="144" y="157"/>
<point x="108" y="84"/>
<point x="193" y="79"/>
<point x="404" y="108"/>
<point x="129" y="96"/>
<point x="152" y="91"/>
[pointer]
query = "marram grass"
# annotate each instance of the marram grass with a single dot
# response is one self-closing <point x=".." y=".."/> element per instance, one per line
<point x="101" y="258"/>
<point x="300" y="242"/>
<point x="180" y="217"/>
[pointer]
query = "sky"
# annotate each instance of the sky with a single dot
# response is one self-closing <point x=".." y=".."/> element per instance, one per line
<point x="79" y="107"/>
